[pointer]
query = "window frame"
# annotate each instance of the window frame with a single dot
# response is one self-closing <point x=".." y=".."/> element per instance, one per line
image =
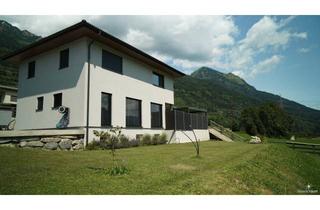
<point x="54" y="100"/>
<point x="161" y="79"/>
<point x="140" y="113"/>
<point x="110" y="112"/>
<point x="104" y="62"/>
<point x="61" y="66"/>
<point x="161" y="113"/>
<point x="41" y="107"/>
<point x="33" y="74"/>
<point x="13" y="98"/>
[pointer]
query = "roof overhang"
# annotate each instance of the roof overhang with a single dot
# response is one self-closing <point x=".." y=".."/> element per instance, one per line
<point x="191" y="109"/>
<point x="4" y="87"/>
<point x="84" y="29"/>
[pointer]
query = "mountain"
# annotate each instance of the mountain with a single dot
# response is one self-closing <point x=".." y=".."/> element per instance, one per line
<point x="12" y="38"/>
<point x="226" y="95"/>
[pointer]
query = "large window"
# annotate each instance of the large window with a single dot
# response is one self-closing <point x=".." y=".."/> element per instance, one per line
<point x="31" y="69"/>
<point x="111" y="62"/>
<point x="156" y="115"/>
<point x="105" y="109"/>
<point x="158" y="80"/>
<point x="57" y="100"/>
<point x="64" y="59"/>
<point x="133" y="112"/>
<point x="39" y="104"/>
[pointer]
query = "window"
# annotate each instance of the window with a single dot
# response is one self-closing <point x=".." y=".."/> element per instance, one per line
<point x="57" y="100"/>
<point x="157" y="80"/>
<point x="111" y="62"/>
<point x="14" y="112"/>
<point x="64" y="58"/>
<point x="133" y="112"/>
<point x="40" y="104"/>
<point x="105" y="109"/>
<point x="156" y="115"/>
<point x="13" y="98"/>
<point x="31" y="69"/>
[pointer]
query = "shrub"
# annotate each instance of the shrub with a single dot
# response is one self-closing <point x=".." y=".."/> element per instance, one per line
<point x="93" y="145"/>
<point x="104" y="143"/>
<point x="104" y="139"/>
<point x="155" y="139"/>
<point x="118" y="170"/>
<point x="163" y="138"/>
<point x="146" y="139"/>
<point x="134" y="143"/>
<point x="124" y="142"/>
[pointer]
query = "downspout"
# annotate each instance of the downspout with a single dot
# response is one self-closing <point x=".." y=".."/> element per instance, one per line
<point x="88" y="91"/>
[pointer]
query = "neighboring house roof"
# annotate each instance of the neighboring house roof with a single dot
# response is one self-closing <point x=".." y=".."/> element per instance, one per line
<point x="82" y="29"/>
<point x="3" y="87"/>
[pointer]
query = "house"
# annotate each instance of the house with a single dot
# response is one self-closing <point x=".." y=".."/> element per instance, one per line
<point x="8" y="102"/>
<point x="84" y="78"/>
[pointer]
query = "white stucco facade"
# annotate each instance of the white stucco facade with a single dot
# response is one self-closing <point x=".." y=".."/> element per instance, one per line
<point x="48" y="80"/>
<point x="134" y="82"/>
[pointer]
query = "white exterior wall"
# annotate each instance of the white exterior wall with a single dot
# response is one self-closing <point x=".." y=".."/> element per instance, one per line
<point x="135" y="82"/>
<point x="49" y="80"/>
<point x="180" y="136"/>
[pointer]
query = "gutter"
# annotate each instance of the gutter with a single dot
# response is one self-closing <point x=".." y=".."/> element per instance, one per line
<point x="88" y="91"/>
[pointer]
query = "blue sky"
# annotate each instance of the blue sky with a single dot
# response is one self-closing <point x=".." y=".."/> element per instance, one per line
<point x="277" y="54"/>
<point x="297" y="75"/>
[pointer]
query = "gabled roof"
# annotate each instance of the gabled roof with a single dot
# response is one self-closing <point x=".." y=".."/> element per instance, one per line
<point x="85" y="29"/>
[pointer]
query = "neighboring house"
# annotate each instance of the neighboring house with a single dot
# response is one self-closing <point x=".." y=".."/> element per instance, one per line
<point x="8" y="102"/>
<point x="102" y="81"/>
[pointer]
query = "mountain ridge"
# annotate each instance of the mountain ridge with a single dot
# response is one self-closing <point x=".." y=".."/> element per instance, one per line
<point x="226" y="95"/>
<point x="12" y="38"/>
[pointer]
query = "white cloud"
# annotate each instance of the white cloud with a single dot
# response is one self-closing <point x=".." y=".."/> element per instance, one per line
<point x="265" y="65"/>
<point x="139" y="39"/>
<point x="304" y="50"/>
<point x="187" y="42"/>
<point x="265" y="37"/>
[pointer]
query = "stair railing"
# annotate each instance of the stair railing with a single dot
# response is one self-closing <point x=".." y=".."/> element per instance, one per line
<point x="225" y="131"/>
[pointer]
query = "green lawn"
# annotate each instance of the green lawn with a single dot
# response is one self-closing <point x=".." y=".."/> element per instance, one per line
<point x="298" y="139"/>
<point x="223" y="168"/>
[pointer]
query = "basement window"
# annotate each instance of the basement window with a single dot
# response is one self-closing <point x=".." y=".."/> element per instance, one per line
<point x="57" y="100"/>
<point x="64" y="59"/>
<point x="31" y="69"/>
<point x="39" y="104"/>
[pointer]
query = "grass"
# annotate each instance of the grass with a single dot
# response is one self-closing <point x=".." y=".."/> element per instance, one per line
<point x="223" y="168"/>
<point x="298" y="139"/>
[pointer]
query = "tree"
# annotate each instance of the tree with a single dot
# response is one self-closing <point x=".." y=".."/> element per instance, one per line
<point x="267" y="119"/>
<point x="110" y="141"/>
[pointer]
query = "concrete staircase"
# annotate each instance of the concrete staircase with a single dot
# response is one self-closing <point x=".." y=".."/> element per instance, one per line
<point x="219" y="135"/>
<point x="222" y="133"/>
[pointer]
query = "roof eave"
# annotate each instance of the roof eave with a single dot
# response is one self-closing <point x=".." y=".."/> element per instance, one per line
<point x="14" y="56"/>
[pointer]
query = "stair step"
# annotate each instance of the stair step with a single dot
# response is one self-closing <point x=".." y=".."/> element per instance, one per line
<point x="219" y="135"/>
